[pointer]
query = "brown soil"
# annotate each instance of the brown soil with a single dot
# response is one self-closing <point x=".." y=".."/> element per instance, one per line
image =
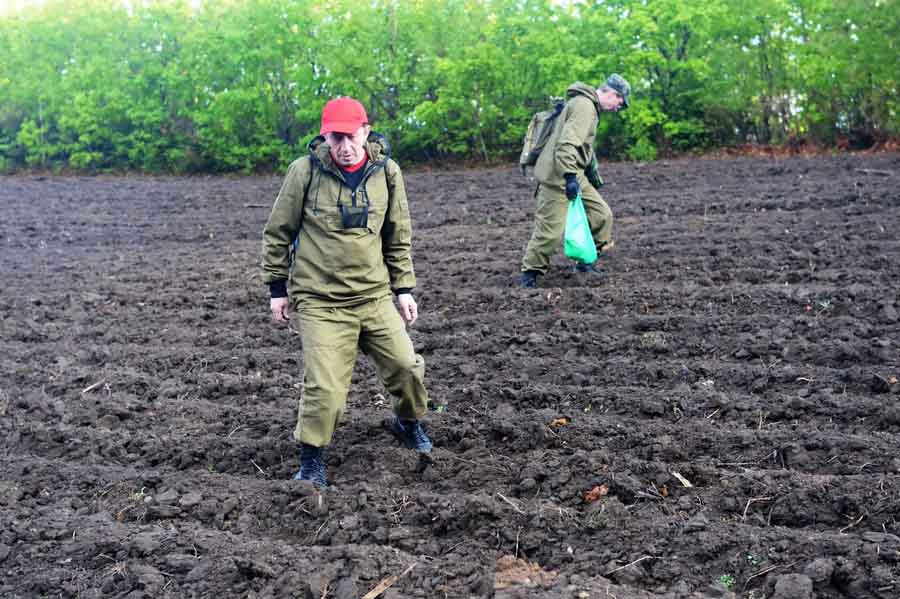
<point x="745" y="341"/>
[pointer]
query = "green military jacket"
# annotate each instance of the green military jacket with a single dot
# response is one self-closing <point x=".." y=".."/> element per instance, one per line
<point x="332" y="265"/>
<point x="570" y="146"/>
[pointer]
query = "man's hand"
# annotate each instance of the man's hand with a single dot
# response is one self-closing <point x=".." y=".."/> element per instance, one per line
<point x="408" y="308"/>
<point x="281" y="311"/>
<point x="593" y="174"/>
<point x="572" y="186"/>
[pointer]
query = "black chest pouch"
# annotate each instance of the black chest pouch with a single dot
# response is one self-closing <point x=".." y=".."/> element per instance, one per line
<point x="354" y="217"/>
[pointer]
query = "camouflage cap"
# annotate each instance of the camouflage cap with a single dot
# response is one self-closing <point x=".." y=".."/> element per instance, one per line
<point x="617" y="83"/>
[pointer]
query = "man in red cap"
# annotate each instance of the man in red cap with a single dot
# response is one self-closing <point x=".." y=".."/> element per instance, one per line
<point x="344" y="210"/>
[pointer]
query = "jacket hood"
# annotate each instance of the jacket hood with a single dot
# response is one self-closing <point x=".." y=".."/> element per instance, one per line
<point x="583" y="89"/>
<point x="377" y="148"/>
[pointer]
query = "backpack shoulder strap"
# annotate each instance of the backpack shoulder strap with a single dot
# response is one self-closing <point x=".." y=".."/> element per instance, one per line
<point x="312" y="167"/>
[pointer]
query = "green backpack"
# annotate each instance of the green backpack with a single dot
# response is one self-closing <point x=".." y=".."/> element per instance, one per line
<point x="538" y="133"/>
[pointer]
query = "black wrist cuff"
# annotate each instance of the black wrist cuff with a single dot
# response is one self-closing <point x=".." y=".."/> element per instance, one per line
<point x="278" y="289"/>
<point x="403" y="290"/>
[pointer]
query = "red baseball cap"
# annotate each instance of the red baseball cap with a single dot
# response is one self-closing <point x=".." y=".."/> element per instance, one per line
<point x="343" y="115"/>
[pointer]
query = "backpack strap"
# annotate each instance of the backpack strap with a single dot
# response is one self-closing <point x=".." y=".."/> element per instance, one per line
<point x="312" y="167"/>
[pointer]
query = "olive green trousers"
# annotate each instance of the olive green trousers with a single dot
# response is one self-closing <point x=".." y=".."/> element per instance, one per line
<point x="331" y="337"/>
<point x="550" y="223"/>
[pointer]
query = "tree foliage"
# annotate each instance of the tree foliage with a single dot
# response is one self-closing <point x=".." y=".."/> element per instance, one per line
<point x="238" y="85"/>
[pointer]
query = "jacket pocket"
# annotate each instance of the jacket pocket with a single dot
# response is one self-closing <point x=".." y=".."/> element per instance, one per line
<point x="327" y="217"/>
<point x="354" y="217"/>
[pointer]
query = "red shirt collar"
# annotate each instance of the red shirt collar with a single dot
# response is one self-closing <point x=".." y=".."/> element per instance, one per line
<point x="357" y="166"/>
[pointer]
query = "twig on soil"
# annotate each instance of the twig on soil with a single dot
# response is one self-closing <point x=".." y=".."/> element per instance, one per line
<point x="258" y="468"/>
<point x="765" y="571"/>
<point x="510" y="502"/>
<point x="234" y="430"/>
<point x="90" y="388"/>
<point x="518" y="531"/>
<point x="454" y="547"/>
<point x="110" y="487"/>
<point x="563" y="512"/>
<point x="875" y="171"/>
<point x="387" y="583"/>
<point x="854" y="523"/>
<point x="321" y="526"/>
<point x="652" y="494"/>
<point x="656" y="497"/>
<point x="399" y="501"/>
<point x="716" y="411"/>
<point x="753" y="500"/>
<point x="684" y="482"/>
<point x="753" y="480"/>
<point x="760" y="573"/>
<point x="255" y="206"/>
<point x="454" y="457"/>
<point x="640" y="559"/>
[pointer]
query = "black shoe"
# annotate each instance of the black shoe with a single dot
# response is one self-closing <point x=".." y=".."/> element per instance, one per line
<point x="312" y="465"/>
<point x="411" y="433"/>
<point x="528" y="279"/>
<point x="584" y="268"/>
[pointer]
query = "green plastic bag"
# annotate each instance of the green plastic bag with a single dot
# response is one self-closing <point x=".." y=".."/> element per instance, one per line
<point x="579" y="243"/>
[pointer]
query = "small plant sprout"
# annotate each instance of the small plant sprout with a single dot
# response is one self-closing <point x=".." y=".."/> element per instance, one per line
<point x="726" y="580"/>
<point x="824" y="307"/>
<point x="138" y="496"/>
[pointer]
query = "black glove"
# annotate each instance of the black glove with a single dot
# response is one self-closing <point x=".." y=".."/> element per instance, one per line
<point x="593" y="175"/>
<point x="572" y="187"/>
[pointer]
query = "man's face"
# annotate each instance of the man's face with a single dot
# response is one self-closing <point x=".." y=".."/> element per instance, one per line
<point x="610" y="100"/>
<point x="348" y="149"/>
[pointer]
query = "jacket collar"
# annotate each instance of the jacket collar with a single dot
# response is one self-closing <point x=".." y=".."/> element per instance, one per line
<point x="377" y="148"/>
<point x="583" y="89"/>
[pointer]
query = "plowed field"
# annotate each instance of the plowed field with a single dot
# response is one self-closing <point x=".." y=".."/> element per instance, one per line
<point x="718" y="414"/>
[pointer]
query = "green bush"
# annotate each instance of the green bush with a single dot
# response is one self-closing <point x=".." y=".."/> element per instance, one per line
<point x="238" y="86"/>
<point x="643" y="150"/>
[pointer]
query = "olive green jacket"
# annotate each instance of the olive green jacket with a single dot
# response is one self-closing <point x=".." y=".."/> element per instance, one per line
<point x="336" y="266"/>
<point x="570" y="147"/>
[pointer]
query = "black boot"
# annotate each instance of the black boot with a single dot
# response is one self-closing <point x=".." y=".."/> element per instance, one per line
<point x="312" y="465"/>
<point x="528" y="279"/>
<point x="587" y="269"/>
<point x="411" y="433"/>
